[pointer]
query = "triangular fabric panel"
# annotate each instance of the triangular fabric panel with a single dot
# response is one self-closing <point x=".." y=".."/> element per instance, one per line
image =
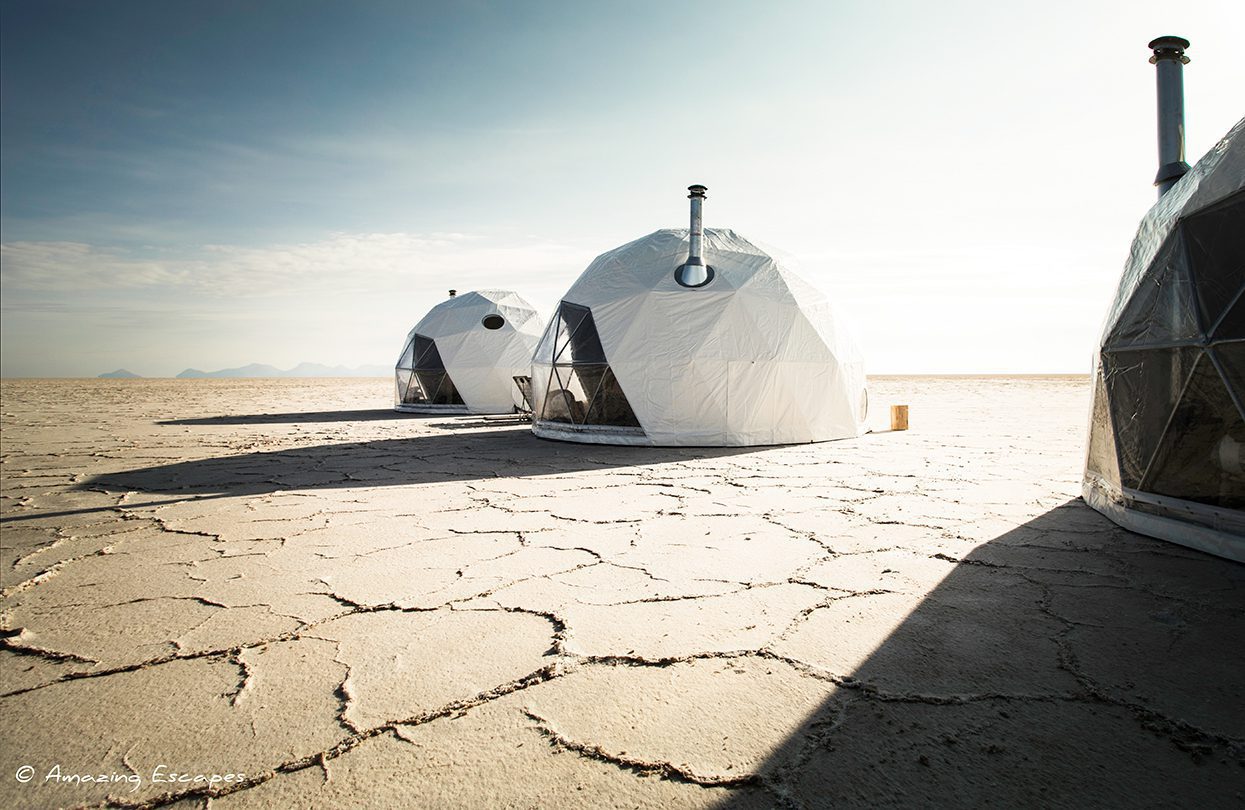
<point x="1162" y="308"/>
<point x="1215" y="239"/>
<point x="1200" y="456"/>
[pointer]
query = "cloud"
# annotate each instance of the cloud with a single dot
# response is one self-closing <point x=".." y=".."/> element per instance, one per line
<point x="214" y="306"/>
<point x="345" y="263"/>
<point x="71" y="266"/>
<point x="221" y="305"/>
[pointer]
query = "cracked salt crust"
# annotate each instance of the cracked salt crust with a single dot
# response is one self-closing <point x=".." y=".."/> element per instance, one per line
<point x="658" y="714"/>
<point x="406" y="664"/>
<point x="450" y="612"/>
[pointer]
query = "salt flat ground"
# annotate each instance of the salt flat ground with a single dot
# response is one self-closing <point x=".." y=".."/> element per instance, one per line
<point x="285" y="586"/>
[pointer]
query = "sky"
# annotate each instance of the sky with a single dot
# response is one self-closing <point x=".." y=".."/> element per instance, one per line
<point x="189" y="184"/>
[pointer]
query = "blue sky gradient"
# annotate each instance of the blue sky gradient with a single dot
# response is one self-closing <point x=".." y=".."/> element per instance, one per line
<point x="192" y="184"/>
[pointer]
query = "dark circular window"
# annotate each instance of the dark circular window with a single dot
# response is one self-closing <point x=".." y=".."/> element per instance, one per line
<point x="493" y="322"/>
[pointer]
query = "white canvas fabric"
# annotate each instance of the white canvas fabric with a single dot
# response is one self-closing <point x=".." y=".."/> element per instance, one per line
<point x="754" y="357"/>
<point x="479" y="363"/>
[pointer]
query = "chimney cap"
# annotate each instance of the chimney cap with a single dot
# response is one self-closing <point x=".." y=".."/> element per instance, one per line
<point x="1169" y="47"/>
<point x="1168" y="41"/>
<point x="453" y="293"/>
<point x="696" y="190"/>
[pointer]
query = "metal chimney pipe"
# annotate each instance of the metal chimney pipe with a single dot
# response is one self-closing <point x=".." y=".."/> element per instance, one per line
<point x="453" y="293"/>
<point x="695" y="245"/>
<point x="1169" y="61"/>
<point x="694" y="272"/>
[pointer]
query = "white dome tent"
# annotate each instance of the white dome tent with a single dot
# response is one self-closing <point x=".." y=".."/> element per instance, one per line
<point x="687" y="337"/>
<point x="463" y="356"/>
<point x="1166" y="453"/>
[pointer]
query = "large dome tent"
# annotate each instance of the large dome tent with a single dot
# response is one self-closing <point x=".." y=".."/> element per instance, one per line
<point x="463" y="356"/>
<point x="695" y="337"/>
<point x="1166" y="450"/>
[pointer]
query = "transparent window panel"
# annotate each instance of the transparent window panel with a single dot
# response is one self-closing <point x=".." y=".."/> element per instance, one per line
<point x="1215" y="239"/>
<point x="434" y="383"/>
<point x="407" y="358"/>
<point x="1101" y="458"/>
<point x="413" y="393"/>
<point x="561" y="338"/>
<point x="524" y="384"/>
<point x="427" y="358"/>
<point x="1232" y="325"/>
<point x="582" y="345"/>
<point x="1201" y="453"/>
<point x="573" y="315"/>
<point x="609" y="405"/>
<point x="589" y="377"/>
<point x="1143" y="387"/>
<point x="582" y="389"/>
<point x="565" y="400"/>
<point x="1231" y="357"/>
<point x="438" y="388"/>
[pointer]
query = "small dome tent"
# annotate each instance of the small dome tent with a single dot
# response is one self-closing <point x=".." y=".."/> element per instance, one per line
<point x="695" y="337"/>
<point x="1167" y="430"/>
<point x="463" y="356"/>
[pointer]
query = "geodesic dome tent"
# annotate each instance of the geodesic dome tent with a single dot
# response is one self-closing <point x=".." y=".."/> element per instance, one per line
<point x="752" y="356"/>
<point x="1167" y="429"/>
<point x="463" y="356"/>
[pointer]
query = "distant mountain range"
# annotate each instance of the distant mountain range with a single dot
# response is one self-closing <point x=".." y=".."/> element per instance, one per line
<point x="264" y="370"/>
<point x="300" y="370"/>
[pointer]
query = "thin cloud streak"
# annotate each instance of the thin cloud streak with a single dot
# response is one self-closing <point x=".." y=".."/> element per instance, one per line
<point x="75" y="309"/>
<point x="915" y="310"/>
<point x="342" y="263"/>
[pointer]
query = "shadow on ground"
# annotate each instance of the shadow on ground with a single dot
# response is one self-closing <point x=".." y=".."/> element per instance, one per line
<point x="370" y="415"/>
<point x="509" y="452"/>
<point x="1066" y="663"/>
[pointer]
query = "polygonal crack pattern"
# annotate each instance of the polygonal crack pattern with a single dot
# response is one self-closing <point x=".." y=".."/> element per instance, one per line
<point x="345" y="610"/>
